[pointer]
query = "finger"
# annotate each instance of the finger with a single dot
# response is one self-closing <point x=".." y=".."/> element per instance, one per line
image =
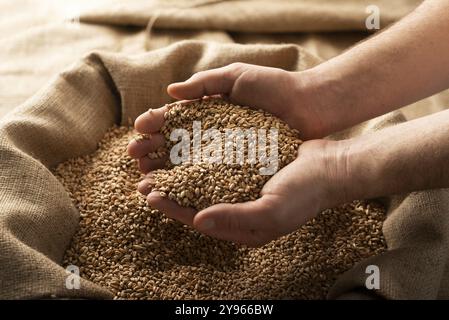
<point x="150" y="121"/>
<point x="249" y="223"/>
<point x="145" y="186"/>
<point x="206" y="83"/>
<point x="146" y="164"/>
<point x="171" y="209"/>
<point x="140" y="148"/>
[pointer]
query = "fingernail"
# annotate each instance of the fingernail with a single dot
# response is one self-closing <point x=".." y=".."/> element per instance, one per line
<point x="207" y="224"/>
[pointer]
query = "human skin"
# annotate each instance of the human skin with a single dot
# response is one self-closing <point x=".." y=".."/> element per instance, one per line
<point x="407" y="62"/>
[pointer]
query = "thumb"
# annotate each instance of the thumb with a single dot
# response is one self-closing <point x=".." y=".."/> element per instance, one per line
<point x="253" y="223"/>
<point x="207" y="83"/>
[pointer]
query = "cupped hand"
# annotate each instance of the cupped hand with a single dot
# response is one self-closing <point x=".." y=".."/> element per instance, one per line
<point x="289" y="199"/>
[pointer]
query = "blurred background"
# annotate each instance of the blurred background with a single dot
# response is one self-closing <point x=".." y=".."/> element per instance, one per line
<point x="40" y="39"/>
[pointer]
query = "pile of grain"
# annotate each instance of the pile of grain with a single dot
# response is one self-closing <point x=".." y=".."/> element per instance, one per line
<point x="201" y="184"/>
<point x="138" y="253"/>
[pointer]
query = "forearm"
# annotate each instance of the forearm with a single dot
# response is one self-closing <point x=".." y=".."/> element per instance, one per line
<point x="399" y="66"/>
<point x="408" y="157"/>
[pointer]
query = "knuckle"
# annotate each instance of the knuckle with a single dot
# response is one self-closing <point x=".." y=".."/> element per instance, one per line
<point x="198" y="75"/>
<point x="232" y="223"/>
<point x="237" y="64"/>
<point x="273" y="216"/>
<point x="237" y="67"/>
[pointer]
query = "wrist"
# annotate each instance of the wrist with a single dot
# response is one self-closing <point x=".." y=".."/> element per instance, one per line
<point x="317" y="103"/>
<point x="359" y="169"/>
<point x="406" y="157"/>
<point x="338" y="185"/>
<point x="331" y="179"/>
<point x="350" y="172"/>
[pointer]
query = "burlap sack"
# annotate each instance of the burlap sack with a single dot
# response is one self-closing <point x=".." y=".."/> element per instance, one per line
<point x="69" y="116"/>
<point x="251" y="15"/>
